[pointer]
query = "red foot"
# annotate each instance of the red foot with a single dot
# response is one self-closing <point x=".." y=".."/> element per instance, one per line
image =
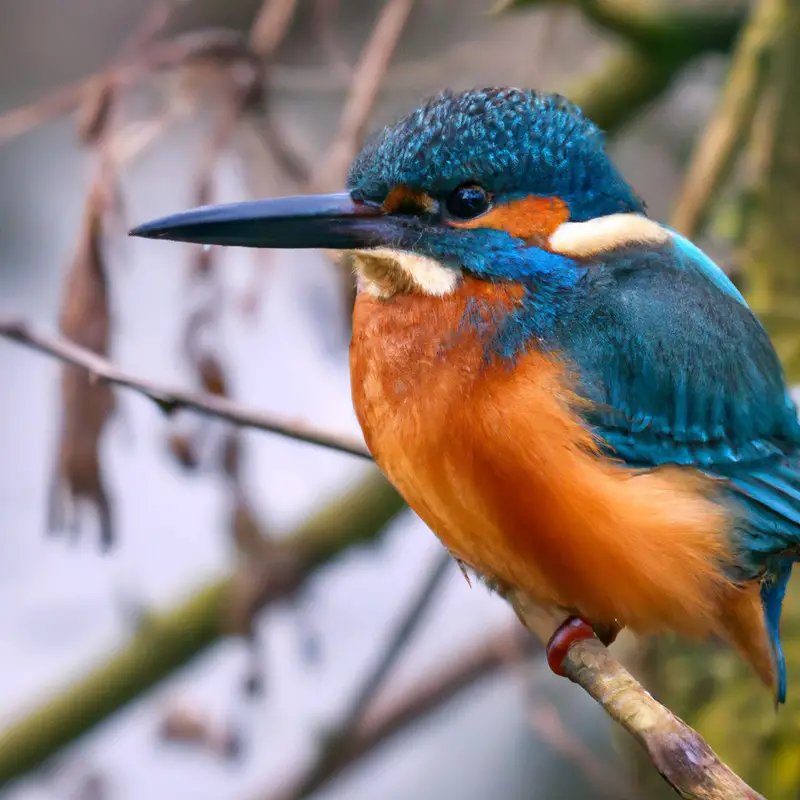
<point x="572" y="630"/>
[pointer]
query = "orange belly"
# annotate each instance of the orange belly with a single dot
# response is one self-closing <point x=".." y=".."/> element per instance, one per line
<point x="498" y="463"/>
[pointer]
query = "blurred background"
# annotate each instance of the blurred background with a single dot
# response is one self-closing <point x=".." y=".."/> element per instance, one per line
<point x="192" y="610"/>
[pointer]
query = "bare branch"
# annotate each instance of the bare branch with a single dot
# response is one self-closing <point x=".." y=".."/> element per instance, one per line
<point x="393" y="715"/>
<point x="166" y="640"/>
<point x="155" y="19"/>
<point x="723" y="139"/>
<point x="341" y="740"/>
<point x="270" y="26"/>
<point x="97" y="99"/>
<point x="325" y="17"/>
<point x="547" y="722"/>
<point x="678" y="752"/>
<point x="367" y="79"/>
<point x="169" y="398"/>
<point x="211" y="43"/>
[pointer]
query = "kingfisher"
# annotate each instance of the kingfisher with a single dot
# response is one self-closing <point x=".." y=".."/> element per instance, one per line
<point x="574" y="397"/>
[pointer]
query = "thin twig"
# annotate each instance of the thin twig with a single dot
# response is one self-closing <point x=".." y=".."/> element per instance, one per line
<point x="267" y="33"/>
<point x="270" y="26"/>
<point x="170" y="398"/>
<point x="725" y="135"/>
<point x="216" y="43"/>
<point x="326" y="13"/>
<point x="546" y="720"/>
<point x="166" y="639"/>
<point x="679" y="753"/>
<point x="405" y="629"/>
<point x="152" y="24"/>
<point x="366" y="83"/>
<point x="340" y="740"/>
<point x="394" y="715"/>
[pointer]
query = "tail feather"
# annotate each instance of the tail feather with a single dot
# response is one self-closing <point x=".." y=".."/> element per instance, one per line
<point x="773" y="590"/>
<point x="770" y="543"/>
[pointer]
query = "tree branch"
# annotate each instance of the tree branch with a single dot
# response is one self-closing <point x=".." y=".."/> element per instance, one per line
<point x="659" y="24"/>
<point x="165" y="641"/>
<point x="270" y="26"/>
<point x="659" y="41"/>
<point x="170" y="399"/>
<point x="546" y="720"/>
<point x="341" y="741"/>
<point x="724" y="137"/>
<point x="161" y="55"/>
<point x="630" y="80"/>
<point x="679" y="753"/>
<point x="367" y="78"/>
<point x="393" y="715"/>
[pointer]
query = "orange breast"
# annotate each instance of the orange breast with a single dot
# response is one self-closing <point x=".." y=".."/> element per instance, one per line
<point x="498" y="463"/>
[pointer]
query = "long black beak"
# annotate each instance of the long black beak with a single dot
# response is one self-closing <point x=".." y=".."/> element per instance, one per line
<point x="333" y="221"/>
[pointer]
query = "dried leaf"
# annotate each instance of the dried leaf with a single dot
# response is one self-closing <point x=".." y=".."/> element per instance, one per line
<point x="249" y="302"/>
<point x="188" y="726"/>
<point x="86" y="404"/>
<point x="184" y="450"/>
<point x="212" y="377"/>
<point x="276" y="572"/>
<point x="231" y="457"/>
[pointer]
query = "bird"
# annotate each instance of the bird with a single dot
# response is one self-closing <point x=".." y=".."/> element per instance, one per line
<point x="572" y="395"/>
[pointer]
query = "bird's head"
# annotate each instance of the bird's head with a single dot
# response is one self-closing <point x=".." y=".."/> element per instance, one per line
<point x="470" y="182"/>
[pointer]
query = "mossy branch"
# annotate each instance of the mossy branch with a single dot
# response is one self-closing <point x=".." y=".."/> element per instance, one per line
<point x="394" y="711"/>
<point x="630" y="80"/>
<point x="658" y="41"/>
<point x="165" y="641"/>
<point x="664" y="25"/>
<point x="717" y="149"/>
<point x="168" y="640"/>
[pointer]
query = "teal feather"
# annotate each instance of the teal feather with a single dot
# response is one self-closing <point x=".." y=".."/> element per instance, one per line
<point x="692" y="257"/>
<point x="680" y="371"/>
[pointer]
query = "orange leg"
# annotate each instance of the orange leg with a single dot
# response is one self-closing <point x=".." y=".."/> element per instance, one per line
<point x="571" y="631"/>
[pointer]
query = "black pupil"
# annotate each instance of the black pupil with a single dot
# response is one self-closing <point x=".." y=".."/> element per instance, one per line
<point x="467" y="202"/>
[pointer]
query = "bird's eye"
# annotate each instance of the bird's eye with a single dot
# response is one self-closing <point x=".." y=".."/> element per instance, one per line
<point x="468" y="201"/>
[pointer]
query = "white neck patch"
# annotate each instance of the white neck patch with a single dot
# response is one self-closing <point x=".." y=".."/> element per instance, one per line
<point x="585" y="239"/>
<point x="384" y="272"/>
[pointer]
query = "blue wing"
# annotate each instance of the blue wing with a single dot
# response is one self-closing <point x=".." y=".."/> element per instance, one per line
<point x="680" y="371"/>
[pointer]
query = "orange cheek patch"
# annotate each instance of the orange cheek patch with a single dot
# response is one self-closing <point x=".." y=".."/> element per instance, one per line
<point x="403" y="199"/>
<point x="530" y="218"/>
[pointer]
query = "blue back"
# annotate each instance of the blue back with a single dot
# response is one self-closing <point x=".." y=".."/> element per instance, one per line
<point x="680" y="371"/>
